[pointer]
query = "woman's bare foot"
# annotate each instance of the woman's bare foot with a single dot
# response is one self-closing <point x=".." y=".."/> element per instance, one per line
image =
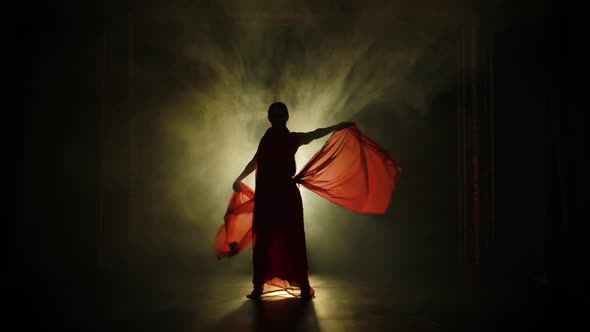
<point x="306" y="294"/>
<point x="256" y="293"/>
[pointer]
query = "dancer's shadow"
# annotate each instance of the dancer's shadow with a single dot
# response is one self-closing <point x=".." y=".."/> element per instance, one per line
<point x="271" y="314"/>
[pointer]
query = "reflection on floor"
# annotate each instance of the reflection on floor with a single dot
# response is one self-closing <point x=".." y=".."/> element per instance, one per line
<point x="341" y="304"/>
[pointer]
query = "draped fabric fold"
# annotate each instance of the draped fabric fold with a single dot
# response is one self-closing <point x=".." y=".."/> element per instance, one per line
<point x="350" y="170"/>
<point x="236" y="232"/>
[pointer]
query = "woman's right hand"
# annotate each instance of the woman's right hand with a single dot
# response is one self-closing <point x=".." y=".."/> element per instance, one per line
<point x="236" y="186"/>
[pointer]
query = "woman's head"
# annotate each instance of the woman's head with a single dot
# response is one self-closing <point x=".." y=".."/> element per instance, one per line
<point x="278" y="114"/>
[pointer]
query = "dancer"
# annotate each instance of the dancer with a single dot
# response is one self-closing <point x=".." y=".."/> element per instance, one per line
<point x="278" y="235"/>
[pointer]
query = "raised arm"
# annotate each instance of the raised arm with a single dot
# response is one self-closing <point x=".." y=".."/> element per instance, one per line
<point x="250" y="167"/>
<point x="321" y="132"/>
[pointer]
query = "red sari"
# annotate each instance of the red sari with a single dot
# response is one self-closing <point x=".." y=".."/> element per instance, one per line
<point x="350" y="170"/>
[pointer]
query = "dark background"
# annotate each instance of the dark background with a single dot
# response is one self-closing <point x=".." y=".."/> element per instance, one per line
<point x="100" y="194"/>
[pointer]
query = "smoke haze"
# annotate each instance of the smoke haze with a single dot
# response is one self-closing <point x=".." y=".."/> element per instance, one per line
<point x="186" y="87"/>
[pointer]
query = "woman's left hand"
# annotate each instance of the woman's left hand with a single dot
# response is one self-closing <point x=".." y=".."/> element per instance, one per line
<point x="343" y="125"/>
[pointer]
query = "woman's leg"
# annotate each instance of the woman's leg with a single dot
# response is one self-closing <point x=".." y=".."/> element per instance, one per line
<point x="258" y="264"/>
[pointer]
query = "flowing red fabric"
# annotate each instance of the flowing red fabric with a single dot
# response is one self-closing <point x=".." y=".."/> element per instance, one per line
<point x="350" y="170"/>
<point x="236" y="233"/>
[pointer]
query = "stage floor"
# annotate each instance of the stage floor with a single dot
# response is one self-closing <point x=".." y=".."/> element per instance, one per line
<point x="188" y="303"/>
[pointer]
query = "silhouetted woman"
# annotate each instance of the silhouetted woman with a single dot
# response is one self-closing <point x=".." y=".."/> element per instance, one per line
<point x="278" y="236"/>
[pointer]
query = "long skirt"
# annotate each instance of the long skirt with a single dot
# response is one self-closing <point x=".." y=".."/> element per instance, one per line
<point x="280" y="255"/>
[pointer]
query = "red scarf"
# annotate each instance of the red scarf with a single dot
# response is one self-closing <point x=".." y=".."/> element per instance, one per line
<point x="350" y="170"/>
